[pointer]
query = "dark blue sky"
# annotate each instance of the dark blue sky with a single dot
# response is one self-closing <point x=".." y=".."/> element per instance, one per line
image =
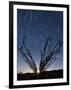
<point x="36" y="25"/>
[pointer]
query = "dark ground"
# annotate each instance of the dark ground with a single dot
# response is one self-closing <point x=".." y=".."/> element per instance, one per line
<point x="44" y="75"/>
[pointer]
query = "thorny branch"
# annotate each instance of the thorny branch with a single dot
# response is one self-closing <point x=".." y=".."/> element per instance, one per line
<point x="49" y="59"/>
<point x="28" y="57"/>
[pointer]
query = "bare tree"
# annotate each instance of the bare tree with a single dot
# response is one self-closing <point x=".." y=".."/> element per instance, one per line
<point x="46" y="59"/>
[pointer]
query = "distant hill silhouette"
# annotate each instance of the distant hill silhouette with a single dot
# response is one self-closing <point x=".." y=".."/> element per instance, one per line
<point x="43" y="75"/>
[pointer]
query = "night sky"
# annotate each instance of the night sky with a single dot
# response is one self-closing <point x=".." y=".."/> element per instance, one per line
<point x="36" y="26"/>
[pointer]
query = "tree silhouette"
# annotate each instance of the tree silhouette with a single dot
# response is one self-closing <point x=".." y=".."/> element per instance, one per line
<point x="47" y="59"/>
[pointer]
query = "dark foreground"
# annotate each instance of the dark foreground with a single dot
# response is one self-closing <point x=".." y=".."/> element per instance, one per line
<point x="45" y="75"/>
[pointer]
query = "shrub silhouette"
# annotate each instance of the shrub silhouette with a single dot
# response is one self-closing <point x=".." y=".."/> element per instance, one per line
<point x="46" y="59"/>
